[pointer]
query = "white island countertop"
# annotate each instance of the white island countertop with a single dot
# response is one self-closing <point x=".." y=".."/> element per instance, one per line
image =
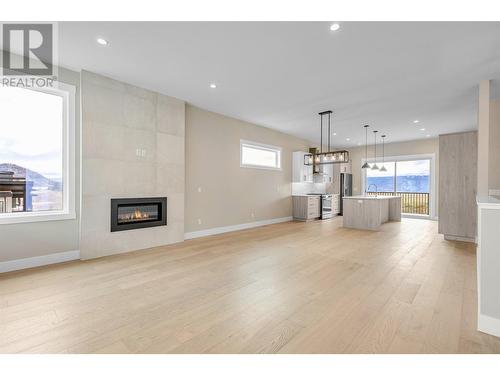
<point x="490" y="201"/>
<point x="313" y="195"/>
<point x="372" y="197"/>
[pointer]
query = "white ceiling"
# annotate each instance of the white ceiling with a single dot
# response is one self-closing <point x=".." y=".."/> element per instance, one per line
<point x="281" y="74"/>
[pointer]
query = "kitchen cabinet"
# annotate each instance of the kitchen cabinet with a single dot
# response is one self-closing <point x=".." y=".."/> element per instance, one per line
<point x="329" y="173"/>
<point x="301" y="172"/>
<point x="369" y="213"/>
<point x="335" y="204"/>
<point x="345" y="167"/>
<point x="327" y="170"/>
<point x="457" y="186"/>
<point x="325" y="174"/>
<point x="337" y="170"/>
<point x="306" y="207"/>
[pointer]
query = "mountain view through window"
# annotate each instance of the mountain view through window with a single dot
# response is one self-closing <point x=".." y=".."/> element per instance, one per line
<point x="31" y="151"/>
<point x="412" y="176"/>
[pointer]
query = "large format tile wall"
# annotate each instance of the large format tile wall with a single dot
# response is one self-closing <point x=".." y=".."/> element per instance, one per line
<point x="132" y="146"/>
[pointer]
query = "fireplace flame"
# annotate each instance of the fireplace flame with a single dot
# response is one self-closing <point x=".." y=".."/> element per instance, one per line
<point x="140" y="215"/>
<point x="136" y="215"/>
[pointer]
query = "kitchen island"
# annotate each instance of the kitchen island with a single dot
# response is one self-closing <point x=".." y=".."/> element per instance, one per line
<point x="370" y="212"/>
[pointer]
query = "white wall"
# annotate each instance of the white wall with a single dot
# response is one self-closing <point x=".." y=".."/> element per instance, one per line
<point x="117" y="120"/>
<point x="27" y="240"/>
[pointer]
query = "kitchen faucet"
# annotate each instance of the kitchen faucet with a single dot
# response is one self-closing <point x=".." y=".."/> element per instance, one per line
<point x="376" y="189"/>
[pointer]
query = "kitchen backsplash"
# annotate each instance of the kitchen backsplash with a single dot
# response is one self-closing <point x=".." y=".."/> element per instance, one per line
<point x="309" y="187"/>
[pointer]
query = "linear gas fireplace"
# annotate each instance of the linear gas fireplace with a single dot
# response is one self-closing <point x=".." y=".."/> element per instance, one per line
<point x="135" y="213"/>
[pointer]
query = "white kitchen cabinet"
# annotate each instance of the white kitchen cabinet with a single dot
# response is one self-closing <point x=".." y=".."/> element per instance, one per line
<point x="332" y="173"/>
<point x="327" y="172"/>
<point x="301" y="172"/>
<point x="346" y="167"/>
<point x="335" y="204"/>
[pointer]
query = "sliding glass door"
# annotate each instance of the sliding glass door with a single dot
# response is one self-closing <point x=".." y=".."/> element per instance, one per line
<point x="409" y="179"/>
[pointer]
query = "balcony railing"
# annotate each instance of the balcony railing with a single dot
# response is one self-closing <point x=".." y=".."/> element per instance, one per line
<point x="411" y="203"/>
<point x="20" y="192"/>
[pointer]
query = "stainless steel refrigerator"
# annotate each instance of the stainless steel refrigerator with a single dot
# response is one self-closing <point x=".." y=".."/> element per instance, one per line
<point x="345" y="189"/>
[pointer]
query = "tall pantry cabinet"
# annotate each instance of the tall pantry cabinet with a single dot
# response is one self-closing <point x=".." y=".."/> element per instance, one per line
<point x="458" y="186"/>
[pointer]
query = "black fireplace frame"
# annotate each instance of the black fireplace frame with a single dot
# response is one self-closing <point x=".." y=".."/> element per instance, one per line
<point x="116" y="202"/>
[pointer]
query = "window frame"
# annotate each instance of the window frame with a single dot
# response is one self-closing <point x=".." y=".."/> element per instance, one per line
<point x="255" y="145"/>
<point x="68" y="212"/>
<point x="432" y="184"/>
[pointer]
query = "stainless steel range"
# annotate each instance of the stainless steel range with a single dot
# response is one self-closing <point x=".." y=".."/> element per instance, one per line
<point x="326" y="205"/>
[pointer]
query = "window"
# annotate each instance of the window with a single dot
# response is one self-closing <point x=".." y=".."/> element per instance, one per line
<point x="406" y="176"/>
<point x="409" y="177"/>
<point x="35" y="141"/>
<point x="256" y="155"/>
<point x="381" y="181"/>
<point x="413" y="176"/>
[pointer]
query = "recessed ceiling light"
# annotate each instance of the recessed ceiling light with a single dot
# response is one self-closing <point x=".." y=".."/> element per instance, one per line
<point x="348" y="139"/>
<point x="102" y="42"/>
<point x="334" y="133"/>
<point x="213" y="86"/>
<point x="334" y="27"/>
<point x="416" y="121"/>
<point x="422" y="129"/>
<point x="428" y="135"/>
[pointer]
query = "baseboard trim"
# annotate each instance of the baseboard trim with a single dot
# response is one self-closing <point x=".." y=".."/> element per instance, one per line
<point x="459" y="238"/>
<point x="43" y="260"/>
<point x="417" y="216"/>
<point x="488" y="325"/>
<point x="232" y="228"/>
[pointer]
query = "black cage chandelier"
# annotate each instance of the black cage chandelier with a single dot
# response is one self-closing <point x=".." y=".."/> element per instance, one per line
<point x="328" y="156"/>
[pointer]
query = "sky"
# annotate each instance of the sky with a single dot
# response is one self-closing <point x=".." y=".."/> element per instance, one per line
<point x="404" y="168"/>
<point x="31" y="126"/>
<point x="414" y="168"/>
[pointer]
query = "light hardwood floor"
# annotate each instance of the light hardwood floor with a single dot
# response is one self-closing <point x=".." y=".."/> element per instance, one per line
<point x="286" y="288"/>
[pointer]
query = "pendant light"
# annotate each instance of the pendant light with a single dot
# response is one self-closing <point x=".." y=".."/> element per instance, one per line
<point x="329" y="156"/>
<point x="375" y="166"/>
<point x="366" y="165"/>
<point x="383" y="154"/>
